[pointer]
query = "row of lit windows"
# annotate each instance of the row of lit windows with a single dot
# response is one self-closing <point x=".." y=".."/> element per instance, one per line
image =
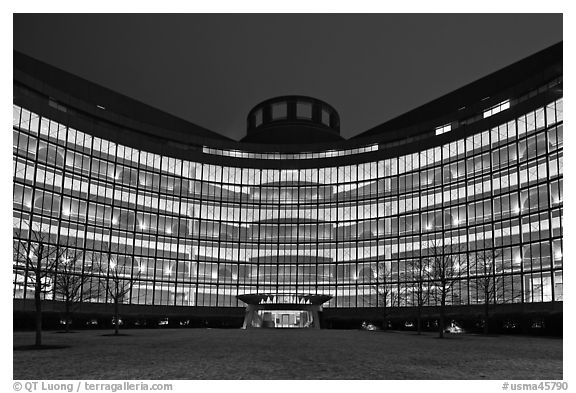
<point x="533" y="172"/>
<point x="59" y="134"/>
<point x="296" y="193"/>
<point x="292" y="227"/>
<point x="535" y="287"/>
<point x="466" y="290"/>
<point x="298" y="267"/>
<point x="539" y="197"/>
<point x="527" y="149"/>
<point x="315" y="232"/>
<point x="289" y="156"/>
<point x="476" y="238"/>
<point x="496" y="183"/>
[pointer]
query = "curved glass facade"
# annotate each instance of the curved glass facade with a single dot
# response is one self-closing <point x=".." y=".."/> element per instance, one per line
<point x="196" y="234"/>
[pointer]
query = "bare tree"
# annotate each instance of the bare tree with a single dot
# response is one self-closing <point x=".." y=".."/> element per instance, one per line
<point x="444" y="270"/>
<point x="487" y="279"/>
<point x="386" y="292"/>
<point x="418" y="267"/>
<point x="116" y="280"/>
<point x="39" y="254"/>
<point x="70" y="282"/>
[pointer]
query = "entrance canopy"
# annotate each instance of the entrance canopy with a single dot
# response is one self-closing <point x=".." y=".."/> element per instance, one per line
<point x="277" y="310"/>
<point x="283" y="298"/>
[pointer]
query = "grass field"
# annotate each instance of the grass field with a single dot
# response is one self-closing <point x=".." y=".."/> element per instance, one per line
<point x="285" y="354"/>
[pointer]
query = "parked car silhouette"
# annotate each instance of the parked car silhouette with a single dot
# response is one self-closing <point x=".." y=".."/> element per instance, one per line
<point x="453" y="328"/>
<point x="369" y="326"/>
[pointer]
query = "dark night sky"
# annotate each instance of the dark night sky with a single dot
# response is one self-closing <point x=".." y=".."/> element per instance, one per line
<point x="211" y="69"/>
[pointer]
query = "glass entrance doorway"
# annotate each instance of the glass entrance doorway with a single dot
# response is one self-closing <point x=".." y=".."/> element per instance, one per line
<point x="285" y="318"/>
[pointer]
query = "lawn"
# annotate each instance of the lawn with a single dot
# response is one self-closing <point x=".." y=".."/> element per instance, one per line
<point x="285" y="354"/>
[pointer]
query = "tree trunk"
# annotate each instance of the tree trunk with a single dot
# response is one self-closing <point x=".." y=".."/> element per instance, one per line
<point x="420" y="303"/>
<point x="116" y="316"/>
<point x="442" y="311"/>
<point x="419" y="320"/>
<point x="38" y="306"/>
<point x="67" y="315"/>
<point x="385" y="324"/>
<point x="486" y="315"/>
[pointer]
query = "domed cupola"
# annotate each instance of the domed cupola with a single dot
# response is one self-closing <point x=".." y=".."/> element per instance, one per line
<point x="293" y="120"/>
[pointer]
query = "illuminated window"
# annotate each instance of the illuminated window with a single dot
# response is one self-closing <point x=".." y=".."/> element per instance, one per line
<point x="497" y="108"/>
<point x="443" y="129"/>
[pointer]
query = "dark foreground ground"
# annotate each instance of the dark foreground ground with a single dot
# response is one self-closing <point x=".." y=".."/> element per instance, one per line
<point x="285" y="354"/>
